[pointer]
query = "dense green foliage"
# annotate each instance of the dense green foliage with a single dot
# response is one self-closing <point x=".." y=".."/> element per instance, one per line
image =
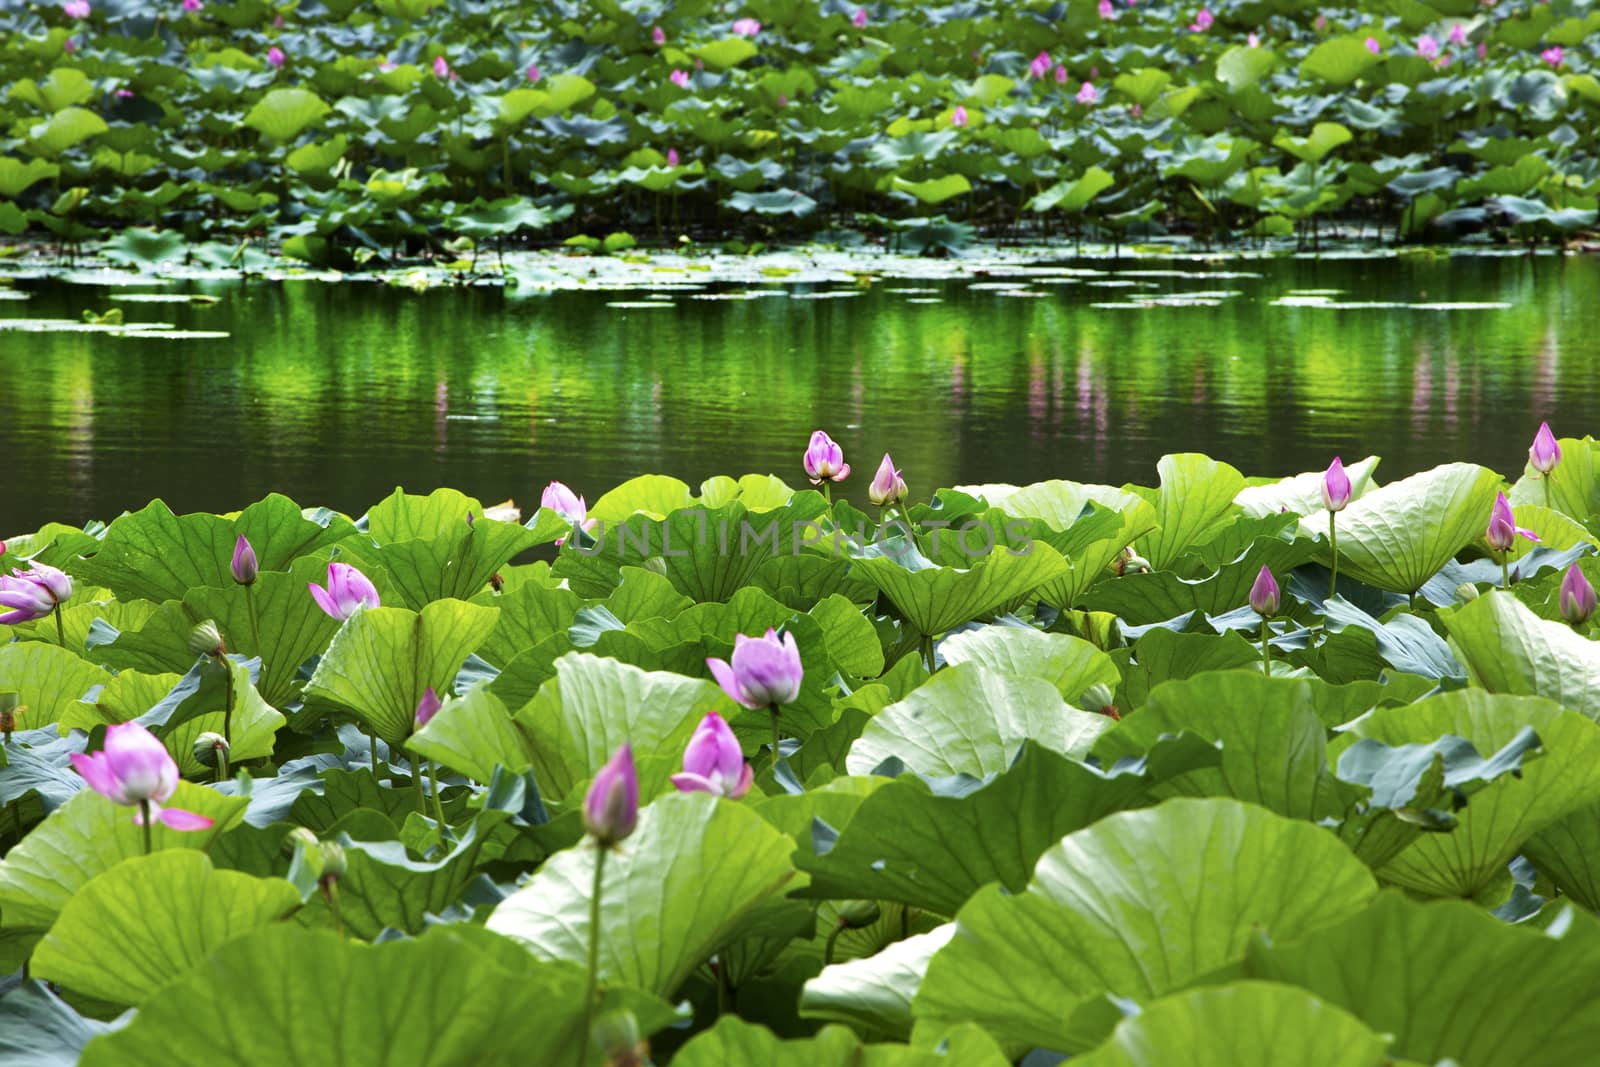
<point x="338" y="127"/>
<point x="1035" y="776"/>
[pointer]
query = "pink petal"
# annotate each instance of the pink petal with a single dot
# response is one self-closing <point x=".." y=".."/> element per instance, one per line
<point x="96" y="771"/>
<point x="325" y="601"/>
<point x="723" y="673"/>
<point x="746" y="779"/>
<point x="693" y="783"/>
<point x="178" y="819"/>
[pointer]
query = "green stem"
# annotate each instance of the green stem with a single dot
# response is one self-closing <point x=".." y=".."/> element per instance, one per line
<point x="416" y="780"/>
<point x="1547" y="502"/>
<point x="724" y="989"/>
<point x="255" y="625"/>
<point x="1266" y="646"/>
<point x="227" y="709"/>
<point x="330" y="890"/>
<point x="827" y="949"/>
<point x="1505" y="570"/>
<point x="222" y="766"/>
<point x="584" y="1039"/>
<point x="144" y="813"/>
<point x="1333" y="546"/>
<point x="927" y="652"/>
<point x="61" y="629"/>
<point x="373" y="751"/>
<point x="827" y="491"/>
<point x="438" y="805"/>
<point x="776" y="751"/>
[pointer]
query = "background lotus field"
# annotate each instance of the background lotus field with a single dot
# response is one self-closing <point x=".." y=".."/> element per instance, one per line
<point x="340" y="131"/>
<point x="1095" y="827"/>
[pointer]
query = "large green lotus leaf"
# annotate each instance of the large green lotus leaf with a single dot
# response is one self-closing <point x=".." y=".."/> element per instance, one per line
<point x="1452" y="982"/>
<point x="87" y="836"/>
<point x="969" y="719"/>
<point x="734" y="1041"/>
<point x="47" y="679"/>
<point x="289" y="995"/>
<point x="1506" y="648"/>
<point x="274" y="618"/>
<point x="148" y="921"/>
<point x="1195" y="497"/>
<point x="654" y="494"/>
<point x="180" y="709"/>
<point x="1137" y="905"/>
<point x="1241" y="1024"/>
<point x="528" y="615"/>
<point x="1338" y="61"/>
<point x="473" y="735"/>
<point x="1574" y="484"/>
<point x="67" y="127"/>
<point x="874" y="994"/>
<point x="283" y="114"/>
<point x="1273" y="740"/>
<point x="1071" y="664"/>
<point x="38" y="1029"/>
<point x="681" y="886"/>
<point x="280" y="532"/>
<point x="1500" y="817"/>
<point x="758" y="492"/>
<point x="383" y="660"/>
<point x="1161" y="655"/>
<point x="1242" y="66"/>
<point x="1398" y="536"/>
<point x="159" y="645"/>
<point x="1301" y="494"/>
<point x="1565" y="853"/>
<point x="728" y="52"/>
<point x="403" y="516"/>
<point x="931" y="849"/>
<point x="455" y="563"/>
<point x="594" y="705"/>
<point x="383" y="888"/>
<point x="936" y="599"/>
<point x="16" y="176"/>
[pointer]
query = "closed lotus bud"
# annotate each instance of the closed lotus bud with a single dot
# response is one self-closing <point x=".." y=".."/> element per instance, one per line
<point x="616" y="1034"/>
<point x="1098" y="697"/>
<point x="1503" y="530"/>
<point x="428" y="707"/>
<point x="1335" y="486"/>
<point x="611" y="807"/>
<point x="208" y="746"/>
<point x="887" y="486"/>
<point x="1544" y="453"/>
<point x="1131" y="562"/>
<point x="333" y="861"/>
<point x="299" y="836"/>
<point x="1264" y="594"/>
<point x="1466" y="592"/>
<point x="206" y="640"/>
<point x="244" y="567"/>
<point x="1577" y="597"/>
<point x="858" y="913"/>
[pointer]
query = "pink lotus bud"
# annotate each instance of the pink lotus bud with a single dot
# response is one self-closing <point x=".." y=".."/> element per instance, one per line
<point x="958" y="117"/>
<point x="76" y="9"/>
<point x="611" y="806"/>
<point x="1427" y="47"/>
<point x="1087" y="94"/>
<point x="1320" y="23"/>
<point x="887" y="486"/>
<point x="1202" y="22"/>
<point x="1253" y="41"/>
<point x="764" y="671"/>
<point x="746" y="27"/>
<point x="1106" y="10"/>
<point x="1577" y="596"/>
<point x="672" y="157"/>
<point x="348" y="591"/>
<point x="1545" y="452"/>
<point x="659" y="36"/>
<point x="192" y="6"/>
<point x="428" y="707"/>
<point x="783" y="100"/>
<point x="33" y="593"/>
<point x="1040" y="65"/>
<point x="680" y="78"/>
<point x="1264" y="594"/>
<point x="123" y="94"/>
<point x="859" y="19"/>
<point x="824" y="460"/>
<point x="713" y="762"/>
<point x="1458" y="34"/>
<point x="1552" y="55"/>
<point x="564" y="502"/>
<point x="1335" y="486"/>
<point x="1373" y="46"/>
<point x="1061" y="75"/>
<point x="1483" y="49"/>
<point x="1503" y="529"/>
<point x="441" y="67"/>
<point x="69" y="46"/>
<point x="244" y="566"/>
<point x="275" y="56"/>
<point x="533" y="72"/>
<point x="134" y="769"/>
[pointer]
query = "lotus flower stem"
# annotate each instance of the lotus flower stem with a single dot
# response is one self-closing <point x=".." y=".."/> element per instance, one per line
<point x="927" y="652"/>
<point x="594" y="950"/>
<point x="416" y="780"/>
<point x="776" y="751"/>
<point x="222" y="765"/>
<point x="227" y="709"/>
<point x="1505" y="570"/>
<point x="1333" y="547"/>
<point x="1266" y="646"/>
<point x="1547" y="503"/>
<point x="61" y="629"/>
<point x="827" y="948"/>
<point x="330" y="890"/>
<point x="250" y="609"/>
<point x="372" y="749"/>
<point x="438" y="805"/>
<point x="827" y="493"/>
<point x="144" y="820"/>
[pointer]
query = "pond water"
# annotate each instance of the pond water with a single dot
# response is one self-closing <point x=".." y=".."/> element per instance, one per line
<point x="336" y="393"/>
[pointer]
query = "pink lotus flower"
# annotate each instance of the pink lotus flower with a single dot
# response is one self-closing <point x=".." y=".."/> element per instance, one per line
<point x="192" y="6"/>
<point x="713" y="762"/>
<point x="765" y="671"/>
<point x="1552" y="55"/>
<point x="824" y="460"/>
<point x="564" y="502"/>
<point x="428" y="707"/>
<point x="1483" y="49"/>
<point x="1106" y="10"/>
<point x="1503" y="529"/>
<point x="76" y="9"/>
<point x="746" y="27"/>
<point x="1264" y="594"/>
<point x="859" y="19"/>
<point x="69" y="46"/>
<point x="1335" y="487"/>
<point x="659" y="36"/>
<point x="276" y="57"/>
<point x="534" y="73"/>
<point x="134" y="769"/>
<point x="441" y="67"/>
<point x="1061" y="74"/>
<point x="1427" y="47"/>
<point x="1320" y="23"/>
<point x="1577" y="596"/>
<point x="1087" y="94"/>
<point x="1040" y="65"/>
<point x="958" y="117"/>
<point x="887" y="486"/>
<point x="672" y="157"/>
<point x="1458" y="34"/>
<point x="680" y="78"/>
<point x="1373" y="46"/>
<point x="123" y="94"/>
<point x="611" y="806"/>
<point x="33" y="593"/>
<point x="1545" y="452"/>
<point x="245" y="567"/>
<point x="1202" y="22"/>
<point x="783" y="99"/>
<point x="1253" y="41"/>
<point x="348" y="591"/>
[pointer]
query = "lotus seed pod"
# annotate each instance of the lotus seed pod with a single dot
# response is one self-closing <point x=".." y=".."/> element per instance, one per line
<point x="858" y="913"/>
<point x="8" y="723"/>
<point x="333" y="862"/>
<point x="208" y="746"/>
<point x="616" y="1034"/>
<point x="1097" y="696"/>
<point x="206" y="640"/>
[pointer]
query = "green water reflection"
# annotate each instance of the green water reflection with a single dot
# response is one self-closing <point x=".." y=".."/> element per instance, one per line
<point x="337" y="393"/>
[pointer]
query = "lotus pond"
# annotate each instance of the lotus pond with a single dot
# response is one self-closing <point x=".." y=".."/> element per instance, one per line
<point x="1223" y="770"/>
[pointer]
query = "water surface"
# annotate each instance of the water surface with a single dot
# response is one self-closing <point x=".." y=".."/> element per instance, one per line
<point x="336" y="393"/>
